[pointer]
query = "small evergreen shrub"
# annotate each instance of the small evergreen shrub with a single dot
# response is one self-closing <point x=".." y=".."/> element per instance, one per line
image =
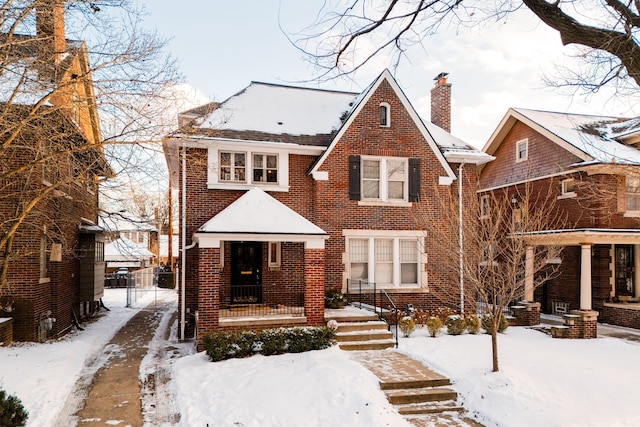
<point x="222" y="345"/>
<point x="12" y="412"/>
<point x="456" y="325"/>
<point x="434" y="324"/>
<point x="333" y="298"/>
<point x="473" y="323"/>
<point x="218" y="345"/>
<point x="503" y="324"/>
<point x="274" y="341"/>
<point x="407" y="325"/>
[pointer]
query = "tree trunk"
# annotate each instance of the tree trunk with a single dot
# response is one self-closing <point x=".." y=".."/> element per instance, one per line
<point x="494" y="347"/>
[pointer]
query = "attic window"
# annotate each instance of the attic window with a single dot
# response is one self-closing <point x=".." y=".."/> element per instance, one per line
<point x="522" y="150"/>
<point x="567" y="188"/>
<point x="385" y="115"/>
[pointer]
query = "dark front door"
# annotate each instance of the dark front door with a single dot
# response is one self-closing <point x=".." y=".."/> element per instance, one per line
<point x="246" y="277"/>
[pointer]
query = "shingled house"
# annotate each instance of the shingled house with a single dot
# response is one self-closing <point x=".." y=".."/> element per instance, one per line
<point x="286" y="192"/>
<point x="592" y="163"/>
<point x="51" y="246"/>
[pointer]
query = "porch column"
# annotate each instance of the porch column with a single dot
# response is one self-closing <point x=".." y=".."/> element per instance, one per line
<point x="528" y="274"/>
<point x="636" y="270"/>
<point x="209" y="290"/>
<point x="314" y="285"/>
<point x="585" y="277"/>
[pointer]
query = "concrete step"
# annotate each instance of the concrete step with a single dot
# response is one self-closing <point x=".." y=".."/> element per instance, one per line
<point x="349" y="317"/>
<point x="367" y="345"/>
<point x="429" y="408"/>
<point x="375" y="335"/>
<point x="438" y="381"/>
<point x="420" y="395"/>
<point x="361" y="326"/>
<point x="444" y="419"/>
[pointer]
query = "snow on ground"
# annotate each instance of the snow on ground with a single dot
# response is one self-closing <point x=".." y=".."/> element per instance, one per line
<point x="43" y="375"/>
<point x="543" y="381"/>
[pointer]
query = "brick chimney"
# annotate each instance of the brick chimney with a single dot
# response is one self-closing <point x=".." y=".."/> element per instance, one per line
<point x="50" y="33"/>
<point x="441" y="102"/>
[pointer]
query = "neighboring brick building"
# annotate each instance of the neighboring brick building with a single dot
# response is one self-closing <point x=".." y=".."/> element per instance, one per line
<point x="51" y="158"/>
<point x="593" y="165"/>
<point x="291" y="191"/>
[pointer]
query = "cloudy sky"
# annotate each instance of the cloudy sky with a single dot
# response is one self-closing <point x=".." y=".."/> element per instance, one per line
<point x="223" y="45"/>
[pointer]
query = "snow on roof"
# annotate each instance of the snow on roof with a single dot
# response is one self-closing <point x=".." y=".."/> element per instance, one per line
<point x="280" y="109"/>
<point x="259" y="213"/>
<point x="590" y="134"/>
<point x="125" y="222"/>
<point x="125" y="249"/>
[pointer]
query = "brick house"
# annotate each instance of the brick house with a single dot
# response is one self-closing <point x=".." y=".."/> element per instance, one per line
<point x="593" y="165"/>
<point x="286" y="192"/>
<point x="54" y="262"/>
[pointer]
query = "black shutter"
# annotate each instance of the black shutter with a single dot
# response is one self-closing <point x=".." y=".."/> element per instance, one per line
<point x="354" y="177"/>
<point x="414" y="180"/>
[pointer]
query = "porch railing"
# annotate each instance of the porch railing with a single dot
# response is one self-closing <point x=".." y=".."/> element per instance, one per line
<point x="364" y="295"/>
<point x="257" y="301"/>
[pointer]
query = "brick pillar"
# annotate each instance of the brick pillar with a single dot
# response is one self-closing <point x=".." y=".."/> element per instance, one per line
<point x="314" y="286"/>
<point x="586" y="323"/>
<point x="208" y="290"/>
<point x="526" y="313"/>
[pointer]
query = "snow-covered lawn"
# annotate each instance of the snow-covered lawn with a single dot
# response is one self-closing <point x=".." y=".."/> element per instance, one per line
<point x="543" y="381"/>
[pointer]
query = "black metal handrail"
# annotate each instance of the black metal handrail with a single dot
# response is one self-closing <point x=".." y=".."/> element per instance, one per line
<point x="394" y="309"/>
<point x="356" y="288"/>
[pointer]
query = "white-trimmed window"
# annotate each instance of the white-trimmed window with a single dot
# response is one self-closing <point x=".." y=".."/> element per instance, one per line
<point x="568" y="188"/>
<point x="233" y="167"/>
<point x="385" y="114"/>
<point x="384" y="178"/>
<point x="485" y="206"/>
<point x="385" y="260"/>
<point x="239" y="168"/>
<point x="274" y="254"/>
<point x="522" y="150"/>
<point x="632" y="194"/>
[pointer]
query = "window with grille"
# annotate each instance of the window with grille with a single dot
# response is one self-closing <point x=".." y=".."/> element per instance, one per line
<point x="265" y="168"/>
<point x="385" y="261"/>
<point x="384" y="179"/>
<point x="232" y="166"/>
<point x="632" y="197"/>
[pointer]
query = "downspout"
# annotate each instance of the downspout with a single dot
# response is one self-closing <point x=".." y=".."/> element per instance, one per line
<point x="460" y="237"/>
<point x="183" y="258"/>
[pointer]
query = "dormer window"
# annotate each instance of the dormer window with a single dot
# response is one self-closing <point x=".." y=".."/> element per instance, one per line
<point x="385" y="115"/>
<point x="522" y="150"/>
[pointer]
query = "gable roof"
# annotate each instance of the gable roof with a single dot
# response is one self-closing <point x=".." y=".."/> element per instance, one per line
<point x="594" y="139"/>
<point x="445" y="142"/>
<point x="256" y="212"/>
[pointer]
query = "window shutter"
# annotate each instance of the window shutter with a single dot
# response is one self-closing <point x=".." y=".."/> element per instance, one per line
<point x="414" y="180"/>
<point x="354" y="177"/>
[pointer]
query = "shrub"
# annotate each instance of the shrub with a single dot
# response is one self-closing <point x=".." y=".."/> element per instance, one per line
<point x="12" y="412"/>
<point x="303" y="339"/>
<point x="455" y="325"/>
<point x="407" y="325"/>
<point x="473" y="323"/>
<point x="244" y="343"/>
<point x="434" y="324"/>
<point x="333" y="298"/>
<point x="443" y="313"/>
<point x="218" y="345"/>
<point x="420" y="316"/>
<point x="274" y="341"/>
<point x="503" y="324"/>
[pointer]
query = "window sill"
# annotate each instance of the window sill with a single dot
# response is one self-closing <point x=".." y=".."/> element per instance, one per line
<point x="567" y="196"/>
<point x="244" y="186"/>
<point x="401" y="204"/>
<point x="632" y="214"/>
<point x="44" y="280"/>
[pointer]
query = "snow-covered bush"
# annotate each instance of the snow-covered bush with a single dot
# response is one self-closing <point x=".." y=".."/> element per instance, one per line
<point x="503" y="323"/>
<point x="455" y="325"/>
<point x="434" y="324"/>
<point x="407" y="325"/>
<point x="473" y="323"/>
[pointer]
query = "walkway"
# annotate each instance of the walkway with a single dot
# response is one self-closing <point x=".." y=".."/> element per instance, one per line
<point x="112" y="394"/>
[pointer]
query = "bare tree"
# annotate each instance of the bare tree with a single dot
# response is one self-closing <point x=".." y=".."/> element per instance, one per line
<point x="346" y="37"/>
<point x="486" y="239"/>
<point x="53" y="87"/>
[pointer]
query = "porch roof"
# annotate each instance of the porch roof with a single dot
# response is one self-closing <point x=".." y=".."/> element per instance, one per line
<point x="583" y="236"/>
<point x="258" y="216"/>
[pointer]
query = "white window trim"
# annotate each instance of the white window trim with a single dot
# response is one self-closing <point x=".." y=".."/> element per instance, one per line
<point x="388" y="114"/>
<point x="383" y="182"/>
<point x="278" y="249"/>
<point x="524" y="142"/>
<point x="396" y="236"/>
<point x="564" y="194"/>
<point x="213" y="182"/>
